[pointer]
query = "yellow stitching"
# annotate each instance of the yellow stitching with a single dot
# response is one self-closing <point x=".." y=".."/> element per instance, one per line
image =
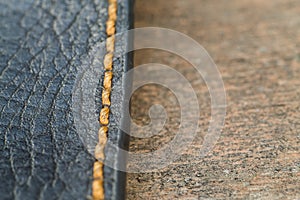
<point x="110" y="27"/>
<point x="98" y="182"/>
<point x="108" y="61"/>
<point x="106" y="88"/>
<point x="102" y="134"/>
<point x="112" y="11"/>
<point x="104" y="114"/>
<point x="110" y="45"/>
<point x="105" y="97"/>
<point x="98" y="189"/>
<point x="99" y="152"/>
<point x="107" y="80"/>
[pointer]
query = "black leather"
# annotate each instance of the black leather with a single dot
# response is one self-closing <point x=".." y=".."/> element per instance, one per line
<point x="42" y="44"/>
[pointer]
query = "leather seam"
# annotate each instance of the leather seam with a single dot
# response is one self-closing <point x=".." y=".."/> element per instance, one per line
<point x="98" y="191"/>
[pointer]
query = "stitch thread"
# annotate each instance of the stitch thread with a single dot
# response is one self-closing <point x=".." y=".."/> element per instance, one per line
<point x="98" y="177"/>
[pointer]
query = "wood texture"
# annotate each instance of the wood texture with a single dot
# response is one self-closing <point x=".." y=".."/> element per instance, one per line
<point x="256" y="45"/>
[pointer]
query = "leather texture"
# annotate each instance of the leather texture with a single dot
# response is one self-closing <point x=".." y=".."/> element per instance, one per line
<point x="42" y="44"/>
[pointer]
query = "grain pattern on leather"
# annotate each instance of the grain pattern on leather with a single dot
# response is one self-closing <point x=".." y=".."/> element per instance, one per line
<point x="42" y="45"/>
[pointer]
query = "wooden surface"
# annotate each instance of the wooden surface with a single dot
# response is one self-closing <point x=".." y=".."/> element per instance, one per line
<point x="256" y="45"/>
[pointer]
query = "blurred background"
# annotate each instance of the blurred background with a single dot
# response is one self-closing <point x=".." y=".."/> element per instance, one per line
<point x="256" y="46"/>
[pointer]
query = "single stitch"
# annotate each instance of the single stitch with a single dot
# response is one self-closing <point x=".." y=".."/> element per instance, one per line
<point x="104" y="114"/>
